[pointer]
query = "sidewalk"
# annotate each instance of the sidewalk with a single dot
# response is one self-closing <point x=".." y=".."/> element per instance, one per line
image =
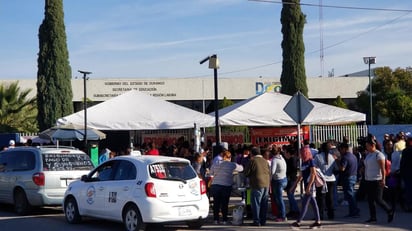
<point x="402" y="220"/>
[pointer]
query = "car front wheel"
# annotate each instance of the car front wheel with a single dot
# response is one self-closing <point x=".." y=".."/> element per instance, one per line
<point x="132" y="219"/>
<point x="71" y="211"/>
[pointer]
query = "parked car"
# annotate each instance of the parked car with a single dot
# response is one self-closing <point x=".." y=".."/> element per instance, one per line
<point x="139" y="190"/>
<point x="38" y="176"/>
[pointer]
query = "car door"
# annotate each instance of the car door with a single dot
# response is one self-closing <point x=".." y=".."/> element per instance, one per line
<point x="3" y="177"/>
<point x="8" y="175"/>
<point x="121" y="188"/>
<point x="96" y="189"/>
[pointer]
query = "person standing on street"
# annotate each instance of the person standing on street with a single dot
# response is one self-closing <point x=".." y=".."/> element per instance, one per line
<point x="348" y="165"/>
<point x="278" y="183"/>
<point x="375" y="180"/>
<point x="325" y="161"/>
<point x="406" y="174"/>
<point x="292" y="167"/>
<point x="152" y="149"/>
<point x="222" y="185"/>
<point x="308" y="174"/>
<point x="393" y="179"/>
<point x="258" y="172"/>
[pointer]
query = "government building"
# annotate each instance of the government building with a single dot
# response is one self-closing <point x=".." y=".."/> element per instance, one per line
<point x="198" y="93"/>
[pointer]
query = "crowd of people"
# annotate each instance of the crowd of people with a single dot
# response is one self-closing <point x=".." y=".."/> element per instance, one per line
<point x="380" y="169"/>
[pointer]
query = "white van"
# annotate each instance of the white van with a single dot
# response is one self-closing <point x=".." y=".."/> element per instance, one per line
<point x="38" y="176"/>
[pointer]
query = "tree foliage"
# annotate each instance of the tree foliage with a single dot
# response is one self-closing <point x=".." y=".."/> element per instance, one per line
<point x="338" y="102"/>
<point x="391" y="95"/>
<point x="54" y="92"/>
<point x="225" y="103"/>
<point x="293" y="77"/>
<point x="17" y="111"/>
<point x="243" y="129"/>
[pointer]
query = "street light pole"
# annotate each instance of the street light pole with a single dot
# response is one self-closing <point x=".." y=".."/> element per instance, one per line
<point x="369" y="61"/>
<point x="214" y="64"/>
<point x="216" y="104"/>
<point x="85" y="73"/>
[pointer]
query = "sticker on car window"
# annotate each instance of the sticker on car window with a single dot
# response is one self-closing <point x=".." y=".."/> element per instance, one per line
<point x="112" y="197"/>
<point x="158" y="170"/>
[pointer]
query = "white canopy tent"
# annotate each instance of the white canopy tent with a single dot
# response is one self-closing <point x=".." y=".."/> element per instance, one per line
<point x="137" y="111"/>
<point x="267" y="110"/>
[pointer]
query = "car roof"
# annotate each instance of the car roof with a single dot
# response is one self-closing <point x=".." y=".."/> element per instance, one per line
<point x="45" y="149"/>
<point x="149" y="159"/>
<point x="62" y="149"/>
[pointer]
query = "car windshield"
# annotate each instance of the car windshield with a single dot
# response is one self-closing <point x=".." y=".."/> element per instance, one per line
<point x="180" y="171"/>
<point x="66" y="162"/>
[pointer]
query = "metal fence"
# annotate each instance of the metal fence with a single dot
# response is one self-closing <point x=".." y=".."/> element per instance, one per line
<point x="318" y="133"/>
<point x="322" y="133"/>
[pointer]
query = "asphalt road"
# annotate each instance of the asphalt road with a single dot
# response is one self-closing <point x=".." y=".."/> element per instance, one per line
<point x="52" y="219"/>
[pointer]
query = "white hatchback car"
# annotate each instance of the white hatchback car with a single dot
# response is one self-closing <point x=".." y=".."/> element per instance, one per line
<point x="139" y="190"/>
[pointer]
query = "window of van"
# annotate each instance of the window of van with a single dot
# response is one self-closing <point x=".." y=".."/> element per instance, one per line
<point x="17" y="161"/>
<point x="66" y="162"/>
<point x="24" y="162"/>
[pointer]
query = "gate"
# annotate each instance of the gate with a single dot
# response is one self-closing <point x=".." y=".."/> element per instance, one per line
<point x="322" y="133"/>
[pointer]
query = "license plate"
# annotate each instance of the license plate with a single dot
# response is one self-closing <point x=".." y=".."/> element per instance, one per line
<point x="185" y="211"/>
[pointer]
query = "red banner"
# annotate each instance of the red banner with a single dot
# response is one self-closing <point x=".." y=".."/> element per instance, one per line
<point x="159" y="138"/>
<point x="276" y="136"/>
<point x="231" y="138"/>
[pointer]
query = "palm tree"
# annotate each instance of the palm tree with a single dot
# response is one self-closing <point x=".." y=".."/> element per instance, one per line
<point x="17" y="112"/>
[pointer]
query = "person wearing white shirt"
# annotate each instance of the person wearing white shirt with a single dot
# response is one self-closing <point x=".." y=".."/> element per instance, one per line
<point x="393" y="181"/>
<point x="326" y="163"/>
<point x="278" y="184"/>
<point x="375" y="180"/>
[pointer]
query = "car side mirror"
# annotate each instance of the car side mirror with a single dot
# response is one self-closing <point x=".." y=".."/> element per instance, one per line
<point x="84" y="178"/>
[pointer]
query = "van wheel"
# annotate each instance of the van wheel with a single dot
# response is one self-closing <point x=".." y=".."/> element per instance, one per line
<point x="71" y="211"/>
<point x="21" y="204"/>
<point x="132" y="219"/>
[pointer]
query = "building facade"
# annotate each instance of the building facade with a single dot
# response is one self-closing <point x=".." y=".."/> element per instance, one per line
<point x="198" y="93"/>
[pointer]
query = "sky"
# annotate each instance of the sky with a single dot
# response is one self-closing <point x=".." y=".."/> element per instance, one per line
<point x="168" y="38"/>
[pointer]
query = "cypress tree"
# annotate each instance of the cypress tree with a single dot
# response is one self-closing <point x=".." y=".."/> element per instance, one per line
<point x="293" y="77"/>
<point x="54" y="90"/>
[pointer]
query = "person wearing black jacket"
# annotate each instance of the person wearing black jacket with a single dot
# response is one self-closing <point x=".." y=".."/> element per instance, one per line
<point x="406" y="174"/>
<point x="292" y="168"/>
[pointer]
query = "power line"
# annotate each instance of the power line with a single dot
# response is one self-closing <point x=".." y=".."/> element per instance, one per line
<point x="314" y="51"/>
<point x="363" y="33"/>
<point x="239" y="70"/>
<point x="323" y="48"/>
<point x="335" y="6"/>
<point x="251" y="68"/>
